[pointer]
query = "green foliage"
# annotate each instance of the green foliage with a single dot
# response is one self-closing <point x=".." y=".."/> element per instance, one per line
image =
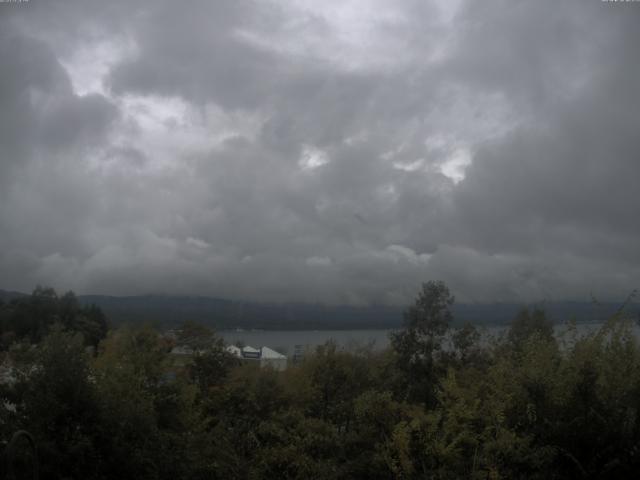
<point x="527" y="324"/>
<point x="419" y="344"/>
<point x="440" y="403"/>
<point x="336" y="380"/>
<point x="211" y="362"/>
<point x="56" y="401"/>
<point x="31" y="318"/>
<point x="466" y="343"/>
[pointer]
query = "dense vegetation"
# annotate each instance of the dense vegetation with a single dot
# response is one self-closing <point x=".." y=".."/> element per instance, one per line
<point x="30" y="318"/>
<point x="439" y="403"/>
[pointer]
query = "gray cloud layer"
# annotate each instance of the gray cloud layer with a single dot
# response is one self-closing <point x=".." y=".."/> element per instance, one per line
<point x="341" y="152"/>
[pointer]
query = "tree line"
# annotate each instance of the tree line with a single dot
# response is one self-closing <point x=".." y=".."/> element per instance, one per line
<point x="439" y="403"/>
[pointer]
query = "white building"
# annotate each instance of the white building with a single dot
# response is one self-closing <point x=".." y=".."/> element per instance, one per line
<point x="265" y="355"/>
<point x="273" y="359"/>
<point x="250" y="352"/>
<point x="182" y="350"/>
<point x="235" y="351"/>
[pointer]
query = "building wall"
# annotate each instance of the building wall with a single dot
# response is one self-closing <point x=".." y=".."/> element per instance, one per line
<point x="278" y="364"/>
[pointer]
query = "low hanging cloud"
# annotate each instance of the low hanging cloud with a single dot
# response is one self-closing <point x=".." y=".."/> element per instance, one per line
<point x="340" y="152"/>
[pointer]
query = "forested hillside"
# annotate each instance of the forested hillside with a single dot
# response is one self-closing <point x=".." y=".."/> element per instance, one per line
<point x="166" y="311"/>
<point x="525" y="405"/>
<point x="169" y="311"/>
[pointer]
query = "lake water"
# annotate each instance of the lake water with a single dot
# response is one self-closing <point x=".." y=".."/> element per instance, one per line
<point x="285" y="341"/>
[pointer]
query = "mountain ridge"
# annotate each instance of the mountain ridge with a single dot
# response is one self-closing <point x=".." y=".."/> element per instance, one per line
<point x="169" y="310"/>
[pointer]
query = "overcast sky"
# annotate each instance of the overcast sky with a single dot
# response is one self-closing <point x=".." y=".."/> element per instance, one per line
<point x="323" y="151"/>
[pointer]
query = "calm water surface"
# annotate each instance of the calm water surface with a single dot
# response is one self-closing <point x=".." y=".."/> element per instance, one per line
<point x="285" y="341"/>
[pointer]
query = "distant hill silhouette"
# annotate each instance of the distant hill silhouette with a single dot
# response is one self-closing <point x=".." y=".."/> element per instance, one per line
<point x="225" y="314"/>
<point x="6" y="295"/>
<point x="166" y="311"/>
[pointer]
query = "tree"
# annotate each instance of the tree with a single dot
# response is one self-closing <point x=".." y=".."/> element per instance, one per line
<point x="135" y="405"/>
<point x="89" y="320"/>
<point x="31" y="317"/>
<point x="59" y="406"/>
<point x="527" y="324"/>
<point x="418" y="344"/>
<point x="195" y="336"/>
<point x="211" y="367"/>
<point x="337" y="378"/>
<point x="465" y="342"/>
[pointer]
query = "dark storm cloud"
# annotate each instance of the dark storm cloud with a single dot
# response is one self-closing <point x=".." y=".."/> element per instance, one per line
<point x="43" y="201"/>
<point x="26" y="65"/>
<point x="191" y="50"/>
<point x="39" y="108"/>
<point x="561" y="185"/>
<point x="341" y="152"/>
